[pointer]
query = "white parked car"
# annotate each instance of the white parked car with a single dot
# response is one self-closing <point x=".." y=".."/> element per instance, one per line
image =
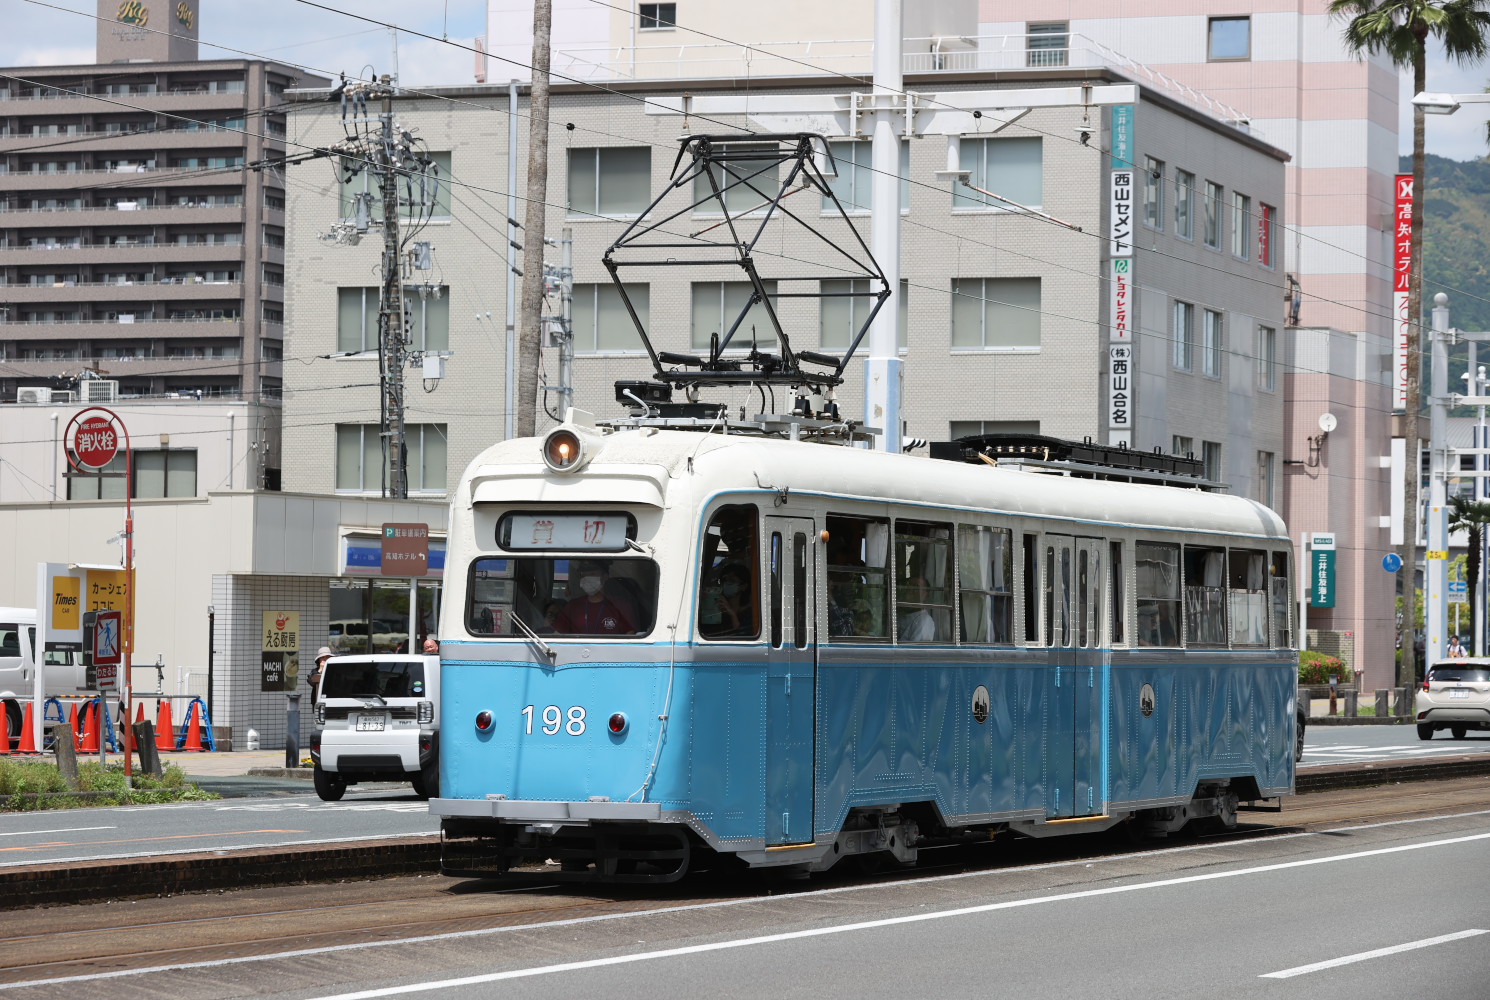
<point x="377" y="719"/>
<point x="1454" y="695"/>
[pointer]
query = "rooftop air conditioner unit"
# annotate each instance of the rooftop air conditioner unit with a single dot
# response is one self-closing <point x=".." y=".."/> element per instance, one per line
<point x="33" y="394"/>
<point x="99" y="390"/>
<point x="63" y="396"/>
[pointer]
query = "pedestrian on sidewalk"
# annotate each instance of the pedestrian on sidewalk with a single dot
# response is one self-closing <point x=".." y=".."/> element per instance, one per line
<point x="322" y="655"/>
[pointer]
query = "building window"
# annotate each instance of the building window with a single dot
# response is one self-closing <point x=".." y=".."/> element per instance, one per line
<point x="1184" y="205"/>
<point x="1214" y="194"/>
<point x="1153" y="192"/>
<point x="1241" y="223"/>
<point x="845" y="307"/>
<point x="1265" y="215"/>
<point x="1210" y="345"/>
<point x="1267" y="358"/>
<point x="854" y="185"/>
<point x="361" y="467"/>
<point x="169" y="472"/>
<point x="1048" y="43"/>
<point x="1229" y="38"/>
<point x="430" y="202"/>
<point x="1210" y="457"/>
<point x="1011" y="168"/>
<point x="1184" y="336"/>
<point x="601" y="322"/>
<point x="745" y="184"/>
<point x="613" y="180"/>
<point x="658" y="16"/>
<point x="1265" y="478"/>
<point x="1182" y="446"/>
<point x="716" y="307"/>
<point x="978" y="428"/>
<point x="995" y="313"/>
<point x="428" y="318"/>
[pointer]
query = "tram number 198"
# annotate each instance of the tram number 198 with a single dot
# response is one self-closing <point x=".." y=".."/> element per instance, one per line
<point x="554" y="718"/>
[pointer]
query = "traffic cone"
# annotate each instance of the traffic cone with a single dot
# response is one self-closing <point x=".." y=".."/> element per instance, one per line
<point x="28" y="740"/>
<point x="91" y="726"/>
<point x="140" y="711"/>
<point x="5" y="742"/>
<point x="72" y="720"/>
<point x="165" y="733"/>
<point x="193" y="729"/>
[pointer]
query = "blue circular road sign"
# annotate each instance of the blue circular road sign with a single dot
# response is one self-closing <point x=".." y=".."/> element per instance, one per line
<point x="1391" y="562"/>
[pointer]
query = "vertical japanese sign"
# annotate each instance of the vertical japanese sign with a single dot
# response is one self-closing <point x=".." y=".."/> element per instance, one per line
<point x="1402" y="323"/>
<point x="1121" y="214"/>
<point x="280" y="662"/>
<point x="1265" y="236"/>
<point x="1322" y="570"/>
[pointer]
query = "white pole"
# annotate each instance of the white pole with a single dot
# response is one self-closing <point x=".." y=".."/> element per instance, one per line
<point x="1306" y="573"/>
<point x="883" y="373"/>
<point x="1435" y="582"/>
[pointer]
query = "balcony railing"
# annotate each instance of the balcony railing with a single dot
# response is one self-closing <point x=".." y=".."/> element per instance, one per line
<point x="139" y="245"/>
<point x="5" y="209"/>
<point x="137" y="321"/>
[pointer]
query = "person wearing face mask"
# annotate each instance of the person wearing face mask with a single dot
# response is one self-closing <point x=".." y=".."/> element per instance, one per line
<point x="594" y="612"/>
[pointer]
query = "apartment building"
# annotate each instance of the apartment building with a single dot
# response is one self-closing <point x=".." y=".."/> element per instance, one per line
<point x="141" y="245"/>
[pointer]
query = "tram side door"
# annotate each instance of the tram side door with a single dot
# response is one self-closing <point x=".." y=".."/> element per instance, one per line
<point x="791" y="678"/>
<point x="1072" y="572"/>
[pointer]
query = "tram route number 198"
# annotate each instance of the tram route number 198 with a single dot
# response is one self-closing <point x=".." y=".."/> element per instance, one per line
<point x="554" y="719"/>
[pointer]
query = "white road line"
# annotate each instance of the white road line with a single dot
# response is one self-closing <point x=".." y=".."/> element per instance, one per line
<point x="65" y="829"/>
<point x="746" y="942"/>
<point x="1378" y="953"/>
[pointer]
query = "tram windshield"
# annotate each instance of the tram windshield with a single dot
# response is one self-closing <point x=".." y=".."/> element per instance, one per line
<point x="596" y="597"/>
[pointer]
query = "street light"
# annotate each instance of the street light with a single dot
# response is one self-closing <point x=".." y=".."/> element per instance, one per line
<point x="1447" y="104"/>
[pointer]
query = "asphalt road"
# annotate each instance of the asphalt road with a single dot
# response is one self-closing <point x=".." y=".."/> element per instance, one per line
<point x="1372" y="744"/>
<point x="1316" y="914"/>
<point x="227" y="824"/>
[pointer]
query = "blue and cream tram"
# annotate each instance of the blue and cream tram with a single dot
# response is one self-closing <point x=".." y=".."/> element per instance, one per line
<point x="664" y="644"/>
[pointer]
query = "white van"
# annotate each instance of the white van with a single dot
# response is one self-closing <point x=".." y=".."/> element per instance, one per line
<point x="64" y="672"/>
<point x="377" y="719"/>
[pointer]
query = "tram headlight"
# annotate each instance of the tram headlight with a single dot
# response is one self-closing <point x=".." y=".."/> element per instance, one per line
<point x="563" y="451"/>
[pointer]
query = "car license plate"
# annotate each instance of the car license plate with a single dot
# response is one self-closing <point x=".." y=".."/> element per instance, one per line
<point x="370" y="723"/>
<point x="1459" y="693"/>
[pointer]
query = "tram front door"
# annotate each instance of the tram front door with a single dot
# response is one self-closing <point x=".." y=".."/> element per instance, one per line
<point x="1072" y="571"/>
<point x="791" y="678"/>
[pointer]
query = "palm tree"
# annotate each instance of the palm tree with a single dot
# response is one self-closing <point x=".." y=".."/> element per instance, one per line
<point x="1401" y="29"/>
<point x="1471" y="515"/>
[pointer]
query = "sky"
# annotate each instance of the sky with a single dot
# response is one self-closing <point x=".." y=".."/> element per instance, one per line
<point x="328" y="42"/>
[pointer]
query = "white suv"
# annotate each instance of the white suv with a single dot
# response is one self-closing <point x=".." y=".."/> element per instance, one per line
<point x="377" y="719"/>
<point x="1455" y="695"/>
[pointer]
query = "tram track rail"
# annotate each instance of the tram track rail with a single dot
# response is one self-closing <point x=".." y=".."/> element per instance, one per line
<point x="60" y="943"/>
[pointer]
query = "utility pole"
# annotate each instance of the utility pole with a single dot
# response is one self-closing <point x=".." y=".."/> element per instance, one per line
<point x="885" y="371"/>
<point x="1435" y="565"/>
<point x="561" y="327"/>
<point x="393" y="340"/>
<point x="530" y="329"/>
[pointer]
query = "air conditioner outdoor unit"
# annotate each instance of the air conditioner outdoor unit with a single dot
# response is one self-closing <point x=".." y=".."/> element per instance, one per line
<point x="33" y="394"/>
<point x="63" y="395"/>
<point x="99" y="390"/>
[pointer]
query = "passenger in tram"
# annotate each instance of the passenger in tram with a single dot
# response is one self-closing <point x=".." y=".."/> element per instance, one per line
<point x="848" y="609"/>
<point x="916" y="625"/>
<point x="595" y="611"/>
<point x="731" y="604"/>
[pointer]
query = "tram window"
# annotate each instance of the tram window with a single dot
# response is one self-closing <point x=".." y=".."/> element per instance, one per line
<point x="1282" y="602"/>
<point x="923" y="581"/>
<point x="1118" y="607"/>
<point x="776" y="572"/>
<point x="800" y="596"/>
<point x="1247" y="596"/>
<point x="1058" y="595"/>
<point x="858" y="581"/>
<point x="1083" y="595"/>
<point x="1157" y="590"/>
<point x="1205" y="596"/>
<point x="985" y="563"/>
<point x="727" y="604"/>
<point x="595" y="597"/>
<point x="1031" y="592"/>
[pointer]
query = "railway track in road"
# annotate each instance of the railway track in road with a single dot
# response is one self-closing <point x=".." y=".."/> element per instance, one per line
<point x="121" y="938"/>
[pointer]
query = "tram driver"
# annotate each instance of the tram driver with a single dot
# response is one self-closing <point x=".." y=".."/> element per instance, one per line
<point x="596" y="611"/>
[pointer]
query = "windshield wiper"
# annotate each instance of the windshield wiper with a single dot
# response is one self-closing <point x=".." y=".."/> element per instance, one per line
<point x="535" y="639"/>
<point x="373" y="700"/>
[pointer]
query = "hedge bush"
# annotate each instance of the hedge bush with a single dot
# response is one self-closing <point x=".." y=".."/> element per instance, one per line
<point x="26" y="785"/>
<point x="1318" y="668"/>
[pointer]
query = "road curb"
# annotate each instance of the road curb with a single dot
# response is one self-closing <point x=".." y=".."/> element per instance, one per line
<point x="94" y="881"/>
<point x="253" y="868"/>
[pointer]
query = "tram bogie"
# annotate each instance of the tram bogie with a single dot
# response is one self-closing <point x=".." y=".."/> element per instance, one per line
<point x="667" y="649"/>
